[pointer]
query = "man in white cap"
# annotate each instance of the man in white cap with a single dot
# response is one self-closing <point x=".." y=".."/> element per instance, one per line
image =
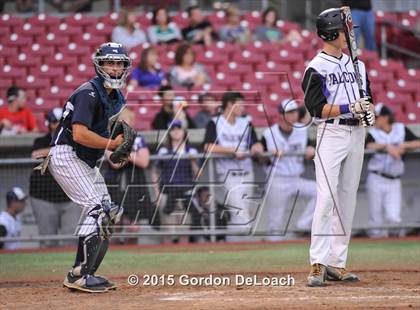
<point x="10" y="223"/>
<point x="285" y="184"/>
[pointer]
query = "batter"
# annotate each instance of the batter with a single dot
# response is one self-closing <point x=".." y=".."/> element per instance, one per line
<point x="332" y="97"/>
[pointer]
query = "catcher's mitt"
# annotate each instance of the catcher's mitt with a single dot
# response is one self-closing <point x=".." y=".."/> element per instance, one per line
<point x="122" y="152"/>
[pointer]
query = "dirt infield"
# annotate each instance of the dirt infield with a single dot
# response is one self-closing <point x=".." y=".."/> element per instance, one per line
<point x="389" y="271"/>
<point x="378" y="290"/>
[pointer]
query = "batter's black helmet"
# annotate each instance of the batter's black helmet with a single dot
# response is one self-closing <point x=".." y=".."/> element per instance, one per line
<point x="328" y="23"/>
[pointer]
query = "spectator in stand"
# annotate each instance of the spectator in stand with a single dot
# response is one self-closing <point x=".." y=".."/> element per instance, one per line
<point x="199" y="30"/>
<point x="54" y="212"/>
<point x="128" y="32"/>
<point x="147" y="73"/>
<point x="180" y="105"/>
<point x="268" y="31"/>
<point x="16" y="118"/>
<point x="10" y="222"/>
<point x="169" y="108"/>
<point x="166" y="113"/>
<point x="128" y="186"/>
<point x="208" y="110"/>
<point x="176" y="179"/>
<point x="364" y="17"/>
<point x="186" y="72"/>
<point x="163" y="31"/>
<point x="233" y="31"/>
<point x="386" y="168"/>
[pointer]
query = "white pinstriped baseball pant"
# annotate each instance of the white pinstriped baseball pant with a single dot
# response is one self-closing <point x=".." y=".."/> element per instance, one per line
<point x="84" y="185"/>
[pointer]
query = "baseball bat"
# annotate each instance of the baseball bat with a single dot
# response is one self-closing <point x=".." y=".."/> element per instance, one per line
<point x="351" y="43"/>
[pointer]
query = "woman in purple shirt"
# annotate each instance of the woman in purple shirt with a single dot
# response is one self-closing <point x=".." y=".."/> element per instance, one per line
<point x="147" y="73"/>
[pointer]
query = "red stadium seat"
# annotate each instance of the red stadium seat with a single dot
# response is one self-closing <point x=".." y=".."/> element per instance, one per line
<point x="102" y="29"/>
<point x="110" y="19"/>
<point x="15" y="40"/>
<point x="44" y="71"/>
<point x="264" y="48"/>
<point x="43" y="105"/>
<point x="31" y="82"/>
<point x="145" y="20"/>
<point x="44" y="20"/>
<point x="83" y="70"/>
<point x="24" y="60"/>
<point x="223" y="47"/>
<point x="285" y="56"/>
<point x="10" y="72"/>
<point x="57" y="93"/>
<point x="272" y="66"/>
<point x="406" y="74"/>
<point x="88" y="39"/>
<point x="66" y="30"/>
<point x="247" y="57"/>
<point x="210" y="58"/>
<point x="52" y="39"/>
<point x="380" y="76"/>
<point x="233" y="68"/>
<point x="6" y="51"/>
<point x="72" y="49"/>
<point x="38" y="50"/>
<point x="5" y="31"/>
<point x="69" y="81"/>
<point x="79" y="19"/>
<point x="11" y="20"/>
<point x="403" y="86"/>
<point x="60" y="60"/>
<point x="28" y="30"/>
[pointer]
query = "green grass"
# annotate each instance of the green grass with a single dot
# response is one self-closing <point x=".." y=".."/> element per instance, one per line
<point x="210" y="259"/>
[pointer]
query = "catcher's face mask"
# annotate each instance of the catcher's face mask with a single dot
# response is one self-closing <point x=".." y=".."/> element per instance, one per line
<point x="112" y="64"/>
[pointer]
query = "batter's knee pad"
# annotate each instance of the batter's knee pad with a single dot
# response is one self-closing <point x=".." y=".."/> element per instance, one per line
<point x="106" y="215"/>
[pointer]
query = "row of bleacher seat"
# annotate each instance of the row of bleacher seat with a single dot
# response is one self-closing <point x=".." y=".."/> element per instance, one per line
<point x="50" y="64"/>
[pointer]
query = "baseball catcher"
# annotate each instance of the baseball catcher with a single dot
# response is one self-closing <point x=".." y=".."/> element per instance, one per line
<point x="80" y="140"/>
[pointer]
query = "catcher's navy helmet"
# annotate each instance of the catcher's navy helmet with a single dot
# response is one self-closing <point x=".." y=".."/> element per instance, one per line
<point x="112" y="52"/>
<point x="328" y="23"/>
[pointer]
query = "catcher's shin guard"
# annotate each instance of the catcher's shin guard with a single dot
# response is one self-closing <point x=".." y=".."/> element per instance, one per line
<point x="87" y="254"/>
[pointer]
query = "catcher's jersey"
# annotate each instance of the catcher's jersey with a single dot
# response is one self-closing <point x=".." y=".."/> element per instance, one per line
<point x="85" y="106"/>
<point x="296" y="142"/>
<point x="332" y="80"/>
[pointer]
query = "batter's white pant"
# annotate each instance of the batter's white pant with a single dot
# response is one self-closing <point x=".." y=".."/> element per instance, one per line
<point x="338" y="163"/>
<point x="384" y="197"/>
<point x="84" y="185"/>
<point x="282" y="192"/>
<point x="236" y="198"/>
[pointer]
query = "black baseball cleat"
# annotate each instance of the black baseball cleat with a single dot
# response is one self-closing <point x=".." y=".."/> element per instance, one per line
<point x="85" y="283"/>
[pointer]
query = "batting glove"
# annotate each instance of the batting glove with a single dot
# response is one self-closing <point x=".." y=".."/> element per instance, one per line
<point x="361" y="106"/>
<point x="367" y="119"/>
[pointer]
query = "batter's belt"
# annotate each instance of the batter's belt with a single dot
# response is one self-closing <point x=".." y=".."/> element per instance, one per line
<point x="345" y="121"/>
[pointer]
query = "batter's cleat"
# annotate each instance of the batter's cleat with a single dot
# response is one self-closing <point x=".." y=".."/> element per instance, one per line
<point x="85" y="283"/>
<point x="340" y="274"/>
<point x="108" y="284"/>
<point x="317" y="275"/>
